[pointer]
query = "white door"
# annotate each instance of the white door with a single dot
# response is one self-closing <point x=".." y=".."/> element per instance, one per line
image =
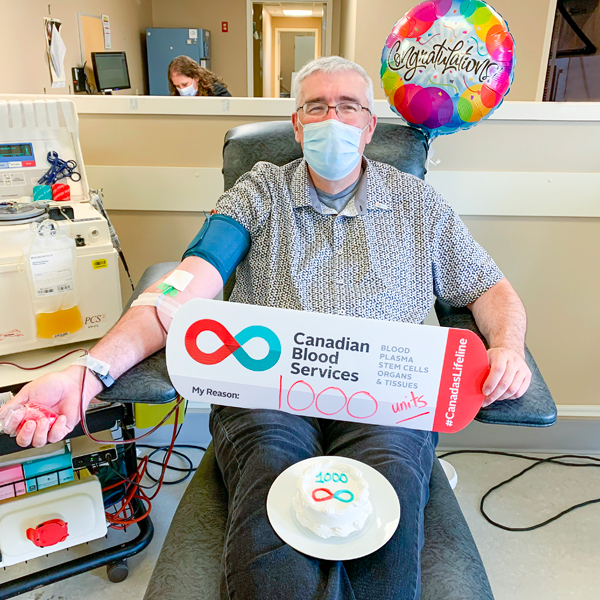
<point x="294" y="49"/>
<point x="304" y="50"/>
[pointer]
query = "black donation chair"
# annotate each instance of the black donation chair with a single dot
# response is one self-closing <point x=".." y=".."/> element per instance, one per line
<point x="189" y="564"/>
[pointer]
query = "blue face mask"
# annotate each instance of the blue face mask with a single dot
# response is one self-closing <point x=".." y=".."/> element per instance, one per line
<point x="331" y="148"/>
<point x="190" y="90"/>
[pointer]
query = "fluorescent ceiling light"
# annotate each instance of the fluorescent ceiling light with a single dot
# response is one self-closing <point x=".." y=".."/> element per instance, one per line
<point x="297" y="13"/>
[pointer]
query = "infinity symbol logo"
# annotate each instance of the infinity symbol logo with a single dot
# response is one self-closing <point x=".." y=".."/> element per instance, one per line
<point x="330" y="496"/>
<point x="232" y="345"/>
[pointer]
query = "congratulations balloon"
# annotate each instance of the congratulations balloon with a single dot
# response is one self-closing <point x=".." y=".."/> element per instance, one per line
<point x="447" y="64"/>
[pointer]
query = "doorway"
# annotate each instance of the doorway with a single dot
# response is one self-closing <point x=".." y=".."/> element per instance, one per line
<point x="573" y="73"/>
<point x="282" y="38"/>
<point x="91" y="39"/>
<point x="294" y="49"/>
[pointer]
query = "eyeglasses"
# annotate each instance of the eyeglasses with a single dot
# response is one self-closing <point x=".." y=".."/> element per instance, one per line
<point x="348" y="112"/>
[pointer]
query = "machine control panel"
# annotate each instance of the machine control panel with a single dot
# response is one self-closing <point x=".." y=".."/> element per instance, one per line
<point x="16" y="156"/>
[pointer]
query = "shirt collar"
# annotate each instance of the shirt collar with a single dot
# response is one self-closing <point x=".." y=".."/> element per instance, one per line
<point x="372" y="193"/>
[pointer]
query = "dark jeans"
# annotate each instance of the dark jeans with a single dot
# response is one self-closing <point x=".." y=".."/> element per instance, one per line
<point x="254" y="446"/>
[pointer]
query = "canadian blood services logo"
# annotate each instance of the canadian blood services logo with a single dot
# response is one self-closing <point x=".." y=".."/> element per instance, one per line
<point x="232" y="345"/>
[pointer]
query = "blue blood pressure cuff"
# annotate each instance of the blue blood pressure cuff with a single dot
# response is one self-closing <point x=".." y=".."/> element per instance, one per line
<point x="222" y="242"/>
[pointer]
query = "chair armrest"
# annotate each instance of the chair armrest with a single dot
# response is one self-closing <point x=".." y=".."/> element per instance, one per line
<point x="535" y="408"/>
<point x="148" y="381"/>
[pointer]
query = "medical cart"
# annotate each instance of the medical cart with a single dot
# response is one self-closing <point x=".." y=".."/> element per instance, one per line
<point x="114" y="557"/>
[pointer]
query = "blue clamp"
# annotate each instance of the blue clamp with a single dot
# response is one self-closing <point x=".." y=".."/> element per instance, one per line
<point x="60" y="169"/>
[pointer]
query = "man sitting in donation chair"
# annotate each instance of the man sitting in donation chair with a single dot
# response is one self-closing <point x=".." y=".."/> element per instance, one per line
<point x="336" y="233"/>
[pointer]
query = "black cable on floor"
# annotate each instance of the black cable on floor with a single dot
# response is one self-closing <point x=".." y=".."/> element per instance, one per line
<point x="537" y="462"/>
<point x="187" y="470"/>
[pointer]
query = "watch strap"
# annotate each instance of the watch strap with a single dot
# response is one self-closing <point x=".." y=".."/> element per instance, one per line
<point x="106" y="380"/>
<point x="98" y="367"/>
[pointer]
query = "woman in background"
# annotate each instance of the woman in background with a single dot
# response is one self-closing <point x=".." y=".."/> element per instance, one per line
<point x="188" y="78"/>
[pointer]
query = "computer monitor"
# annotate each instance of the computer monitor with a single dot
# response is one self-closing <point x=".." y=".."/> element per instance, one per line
<point x="110" y="71"/>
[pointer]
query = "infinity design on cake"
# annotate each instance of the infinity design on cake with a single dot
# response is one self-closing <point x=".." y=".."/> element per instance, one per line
<point x="232" y="345"/>
<point x="311" y="501"/>
<point x="329" y="496"/>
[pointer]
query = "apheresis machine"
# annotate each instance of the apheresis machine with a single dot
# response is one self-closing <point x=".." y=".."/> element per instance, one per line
<point x="59" y="284"/>
<point x="59" y="276"/>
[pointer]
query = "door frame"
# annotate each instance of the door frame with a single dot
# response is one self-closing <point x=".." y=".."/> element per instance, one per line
<point x="80" y="29"/>
<point x="277" y="62"/>
<point x="327" y="18"/>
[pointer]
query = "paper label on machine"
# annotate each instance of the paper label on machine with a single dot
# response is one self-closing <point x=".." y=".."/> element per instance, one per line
<point x="327" y="366"/>
<point x="52" y="272"/>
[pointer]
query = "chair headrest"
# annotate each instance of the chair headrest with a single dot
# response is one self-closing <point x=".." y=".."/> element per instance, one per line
<point x="273" y="141"/>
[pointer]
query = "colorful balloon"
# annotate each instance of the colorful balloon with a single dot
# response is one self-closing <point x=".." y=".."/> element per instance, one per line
<point x="447" y="65"/>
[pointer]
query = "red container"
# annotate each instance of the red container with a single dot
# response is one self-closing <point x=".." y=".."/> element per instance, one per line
<point x="61" y="192"/>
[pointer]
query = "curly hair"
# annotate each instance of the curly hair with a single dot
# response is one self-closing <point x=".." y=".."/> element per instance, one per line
<point x="184" y="65"/>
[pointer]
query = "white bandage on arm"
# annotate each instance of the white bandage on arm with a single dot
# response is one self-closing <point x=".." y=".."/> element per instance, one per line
<point x="97" y="365"/>
<point x="164" y="304"/>
<point x="179" y="279"/>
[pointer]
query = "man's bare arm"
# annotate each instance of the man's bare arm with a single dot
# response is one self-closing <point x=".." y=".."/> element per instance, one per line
<point x="137" y="335"/>
<point x="501" y="318"/>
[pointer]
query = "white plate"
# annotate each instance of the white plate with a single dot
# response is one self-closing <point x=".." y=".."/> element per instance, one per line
<point x="378" y="529"/>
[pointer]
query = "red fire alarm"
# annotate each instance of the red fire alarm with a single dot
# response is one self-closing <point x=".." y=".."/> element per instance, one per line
<point x="224" y="26"/>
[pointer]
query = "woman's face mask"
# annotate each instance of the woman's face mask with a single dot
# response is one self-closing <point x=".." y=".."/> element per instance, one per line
<point x="186" y="86"/>
<point x="190" y="90"/>
<point x="331" y="148"/>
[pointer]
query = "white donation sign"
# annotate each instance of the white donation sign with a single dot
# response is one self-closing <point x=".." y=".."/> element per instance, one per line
<point x="334" y="367"/>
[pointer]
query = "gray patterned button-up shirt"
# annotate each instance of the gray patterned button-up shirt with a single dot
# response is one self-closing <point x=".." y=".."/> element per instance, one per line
<point x="395" y="246"/>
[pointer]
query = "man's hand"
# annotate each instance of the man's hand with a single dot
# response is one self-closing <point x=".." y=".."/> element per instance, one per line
<point x="500" y="316"/>
<point x="509" y="376"/>
<point x="61" y="393"/>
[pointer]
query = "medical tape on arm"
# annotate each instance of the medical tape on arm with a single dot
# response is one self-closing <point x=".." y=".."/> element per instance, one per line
<point x="164" y="304"/>
<point x="97" y="365"/>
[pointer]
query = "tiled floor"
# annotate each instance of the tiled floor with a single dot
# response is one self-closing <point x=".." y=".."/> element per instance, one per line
<point x="558" y="562"/>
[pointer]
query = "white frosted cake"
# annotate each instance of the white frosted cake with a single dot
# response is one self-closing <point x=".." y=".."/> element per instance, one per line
<point x="332" y="499"/>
